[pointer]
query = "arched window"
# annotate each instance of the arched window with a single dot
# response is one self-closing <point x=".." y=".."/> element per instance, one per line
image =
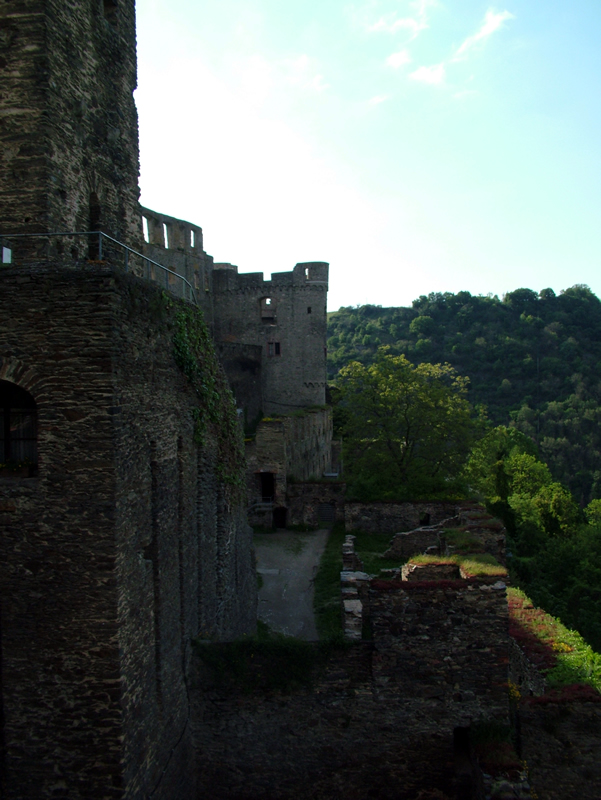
<point x="18" y="428"/>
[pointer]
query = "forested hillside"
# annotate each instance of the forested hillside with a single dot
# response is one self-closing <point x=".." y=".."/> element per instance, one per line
<point x="534" y="361"/>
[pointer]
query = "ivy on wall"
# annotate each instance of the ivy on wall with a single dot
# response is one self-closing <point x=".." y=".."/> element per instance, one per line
<point x="195" y="356"/>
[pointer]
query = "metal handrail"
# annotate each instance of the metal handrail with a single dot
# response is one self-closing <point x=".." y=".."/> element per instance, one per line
<point x="8" y="237"/>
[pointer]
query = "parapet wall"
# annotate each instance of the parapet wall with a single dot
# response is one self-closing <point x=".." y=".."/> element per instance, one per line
<point x="178" y="245"/>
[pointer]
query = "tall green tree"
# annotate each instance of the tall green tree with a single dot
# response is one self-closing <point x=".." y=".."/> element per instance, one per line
<point x="407" y="429"/>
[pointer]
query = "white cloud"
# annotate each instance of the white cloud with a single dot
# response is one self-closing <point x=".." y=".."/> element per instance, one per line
<point x="433" y="75"/>
<point x="465" y="93"/>
<point x="399" y="59"/>
<point x="379" y="98"/>
<point x="415" y="24"/>
<point x="493" y="20"/>
<point x="301" y="72"/>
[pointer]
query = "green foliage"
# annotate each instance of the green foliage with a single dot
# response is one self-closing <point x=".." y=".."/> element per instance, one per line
<point x="555" y="557"/>
<point x="519" y="488"/>
<point x="593" y="512"/>
<point x="195" y="355"/>
<point x="407" y="430"/>
<point x="568" y="658"/>
<point x="532" y="359"/>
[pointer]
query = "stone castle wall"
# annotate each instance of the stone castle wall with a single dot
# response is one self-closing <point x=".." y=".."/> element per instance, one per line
<point x="125" y="545"/>
<point x="69" y="136"/>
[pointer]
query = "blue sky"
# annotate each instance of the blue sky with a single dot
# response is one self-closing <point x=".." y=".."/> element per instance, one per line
<point x="416" y="145"/>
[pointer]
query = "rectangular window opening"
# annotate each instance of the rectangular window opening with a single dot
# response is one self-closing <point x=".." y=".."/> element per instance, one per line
<point x="7" y="255"/>
<point x="166" y="235"/>
<point x="308" y="309"/>
<point x="110" y="10"/>
<point x="145" y="232"/>
<point x="192" y="238"/>
<point x="273" y="349"/>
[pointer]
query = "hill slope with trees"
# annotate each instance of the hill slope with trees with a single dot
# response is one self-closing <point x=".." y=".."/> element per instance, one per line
<point x="533" y="360"/>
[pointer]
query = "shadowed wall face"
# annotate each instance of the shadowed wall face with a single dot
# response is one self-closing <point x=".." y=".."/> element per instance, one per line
<point x="118" y="547"/>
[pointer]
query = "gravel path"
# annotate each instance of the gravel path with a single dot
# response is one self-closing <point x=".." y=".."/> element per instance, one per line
<point x="287" y="563"/>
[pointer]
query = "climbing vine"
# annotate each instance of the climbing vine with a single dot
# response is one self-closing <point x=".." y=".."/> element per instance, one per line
<point x="195" y="356"/>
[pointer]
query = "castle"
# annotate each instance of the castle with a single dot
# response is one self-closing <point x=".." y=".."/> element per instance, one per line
<point x="123" y="492"/>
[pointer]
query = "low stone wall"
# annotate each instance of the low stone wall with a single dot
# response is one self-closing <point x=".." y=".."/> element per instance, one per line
<point x="306" y="502"/>
<point x="394" y="517"/>
<point x="431" y="572"/>
<point x="405" y="545"/>
<point x="382" y="713"/>
<point x="444" y="640"/>
<point x="523" y="673"/>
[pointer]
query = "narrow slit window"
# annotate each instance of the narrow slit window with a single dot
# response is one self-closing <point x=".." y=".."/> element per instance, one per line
<point x="192" y="238"/>
<point x="166" y="235"/>
<point x="110" y="11"/>
<point x="308" y="309"/>
<point x="145" y="231"/>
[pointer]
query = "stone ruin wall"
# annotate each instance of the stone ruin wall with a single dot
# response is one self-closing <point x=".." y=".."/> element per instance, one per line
<point x="381" y="716"/>
<point x="69" y="130"/>
<point x="123" y="548"/>
<point x="295" y="446"/>
<point x="391" y="517"/>
<point x="306" y="501"/>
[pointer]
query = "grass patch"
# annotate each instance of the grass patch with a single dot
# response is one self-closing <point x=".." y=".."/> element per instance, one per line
<point x="370" y="547"/>
<point x="326" y="601"/>
<point x="560" y="653"/>
<point x="475" y="565"/>
<point x="266" y="662"/>
<point x="463" y="540"/>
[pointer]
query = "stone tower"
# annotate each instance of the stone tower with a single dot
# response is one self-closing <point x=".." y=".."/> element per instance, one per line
<point x="286" y="316"/>
<point x="68" y="122"/>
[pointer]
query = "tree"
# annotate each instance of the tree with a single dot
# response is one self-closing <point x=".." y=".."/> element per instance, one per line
<point x="408" y="429"/>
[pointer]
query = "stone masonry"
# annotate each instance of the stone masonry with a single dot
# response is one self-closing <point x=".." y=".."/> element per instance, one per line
<point x="123" y="546"/>
<point x="68" y="123"/>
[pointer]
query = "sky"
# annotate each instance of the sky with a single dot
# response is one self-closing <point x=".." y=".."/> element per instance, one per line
<point x="416" y="145"/>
